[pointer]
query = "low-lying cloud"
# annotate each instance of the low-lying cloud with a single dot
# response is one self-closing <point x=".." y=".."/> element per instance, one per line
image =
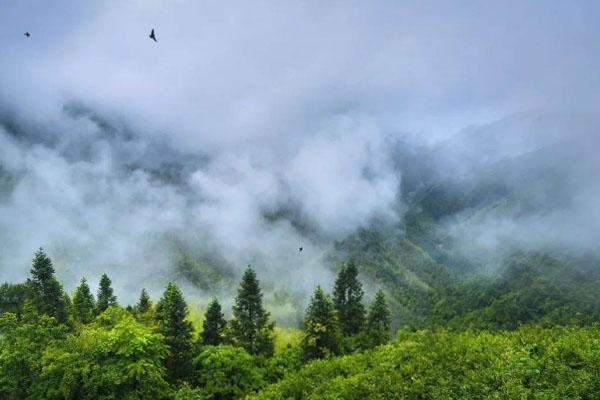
<point x="251" y="128"/>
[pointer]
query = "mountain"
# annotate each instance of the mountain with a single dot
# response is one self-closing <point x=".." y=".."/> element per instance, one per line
<point x="491" y="247"/>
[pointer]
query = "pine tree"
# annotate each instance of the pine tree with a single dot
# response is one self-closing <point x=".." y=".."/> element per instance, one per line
<point x="46" y="293"/>
<point x="321" y="328"/>
<point x="171" y="316"/>
<point x="347" y="297"/>
<point x="106" y="298"/>
<point x="378" y="321"/>
<point x="213" y="328"/>
<point x="144" y="303"/>
<point x="83" y="303"/>
<point x="250" y="327"/>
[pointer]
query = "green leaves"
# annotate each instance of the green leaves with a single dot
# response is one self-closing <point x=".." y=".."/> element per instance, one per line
<point x="250" y="327"/>
<point x="347" y="297"/>
<point x="144" y="303"/>
<point x="147" y="352"/>
<point x="171" y="316"/>
<point x="213" y="328"/>
<point x="83" y="303"/>
<point x="114" y="357"/>
<point x="106" y="298"/>
<point x="226" y="372"/>
<point x="378" y="322"/>
<point x="45" y="292"/>
<point x="22" y="345"/>
<point x="322" y="337"/>
<point x="530" y="363"/>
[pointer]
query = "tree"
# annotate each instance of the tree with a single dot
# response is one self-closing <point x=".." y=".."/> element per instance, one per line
<point x="46" y="293"/>
<point x="186" y="392"/>
<point x="321" y="328"/>
<point x="378" y="321"/>
<point x="171" y="315"/>
<point x="12" y="297"/>
<point x="227" y="373"/>
<point x="144" y="303"/>
<point x="83" y="303"/>
<point x="213" y="328"/>
<point x="250" y="327"/>
<point x="22" y="345"/>
<point x="347" y="297"/>
<point x="106" y="298"/>
<point x="115" y="357"/>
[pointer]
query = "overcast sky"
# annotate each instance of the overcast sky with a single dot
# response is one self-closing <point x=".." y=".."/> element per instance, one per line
<point x="260" y="105"/>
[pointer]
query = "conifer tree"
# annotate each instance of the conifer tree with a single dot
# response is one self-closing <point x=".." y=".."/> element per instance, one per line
<point x="378" y="321"/>
<point x="321" y="328"/>
<point x="106" y="298"/>
<point x="171" y="316"/>
<point x="144" y="303"/>
<point x="347" y="297"/>
<point x="83" y="303"/>
<point x="250" y="327"/>
<point x="46" y="293"/>
<point x="213" y="328"/>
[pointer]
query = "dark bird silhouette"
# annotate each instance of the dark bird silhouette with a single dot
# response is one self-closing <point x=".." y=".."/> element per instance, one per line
<point x="27" y="34"/>
<point x="300" y="249"/>
<point x="153" y="36"/>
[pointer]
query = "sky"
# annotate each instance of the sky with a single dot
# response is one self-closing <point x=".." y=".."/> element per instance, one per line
<point x="109" y="141"/>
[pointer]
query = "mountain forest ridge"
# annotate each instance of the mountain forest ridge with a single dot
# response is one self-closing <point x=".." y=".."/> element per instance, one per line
<point x="299" y="200"/>
<point x="431" y="257"/>
<point x="482" y="287"/>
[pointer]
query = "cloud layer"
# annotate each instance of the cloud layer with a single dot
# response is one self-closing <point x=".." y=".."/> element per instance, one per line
<point x="248" y="109"/>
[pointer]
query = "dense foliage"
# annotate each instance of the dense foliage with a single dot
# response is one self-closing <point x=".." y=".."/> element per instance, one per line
<point x="83" y="303"/>
<point x="530" y="363"/>
<point x="250" y="326"/>
<point x="171" y="318"/>
<point x="52" y="347"/>
<point x="106" y="298"/>
<point x="322" y="333"/>
<point x="213" y="328"/>
<point x="45" y="292"/>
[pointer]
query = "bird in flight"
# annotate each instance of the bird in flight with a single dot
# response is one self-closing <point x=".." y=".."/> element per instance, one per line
<point x="153" y="36"/>
<point x="27" y="34"/>
<point x="300" y="249"/>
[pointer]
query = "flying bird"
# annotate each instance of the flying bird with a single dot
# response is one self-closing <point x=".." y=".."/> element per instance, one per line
<point x="300" y="249"/>
<point x="27" y="34"/>
<point x="153" y="36"/>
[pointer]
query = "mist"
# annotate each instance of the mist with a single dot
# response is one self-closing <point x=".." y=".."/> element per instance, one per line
<point x="251" y="129"/>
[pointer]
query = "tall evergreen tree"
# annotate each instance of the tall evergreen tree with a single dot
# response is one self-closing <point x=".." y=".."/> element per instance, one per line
<point x="321" y="328"/>
<point x="144" y="303"/>
<point x="46" y="293"/>
<point x="213" y="328"/>
<point x="378" y="321"/>
<point x="171" y="316"/>
<point x="347" y="297"/>
<point x="106" y="298"/>
<point x="250" y="327"/>
<point x="83" y="303"/>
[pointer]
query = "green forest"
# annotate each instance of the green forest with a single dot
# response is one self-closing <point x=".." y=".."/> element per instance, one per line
<point x="521" y="345"/>
<point x="413" y="311"/>
<point x="299" y="200"/>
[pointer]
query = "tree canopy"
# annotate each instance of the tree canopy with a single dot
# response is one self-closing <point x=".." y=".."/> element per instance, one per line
<point x="106" y="297"/>
<point x="250" y="327"/>
<point x="171" y="315"/>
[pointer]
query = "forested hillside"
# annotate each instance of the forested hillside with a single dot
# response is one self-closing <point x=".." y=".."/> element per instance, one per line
<point x="529" y="363"/>
<point x="464" y="322"/>
<point x="529" y="330"/>
<point x="208" y="200"/>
